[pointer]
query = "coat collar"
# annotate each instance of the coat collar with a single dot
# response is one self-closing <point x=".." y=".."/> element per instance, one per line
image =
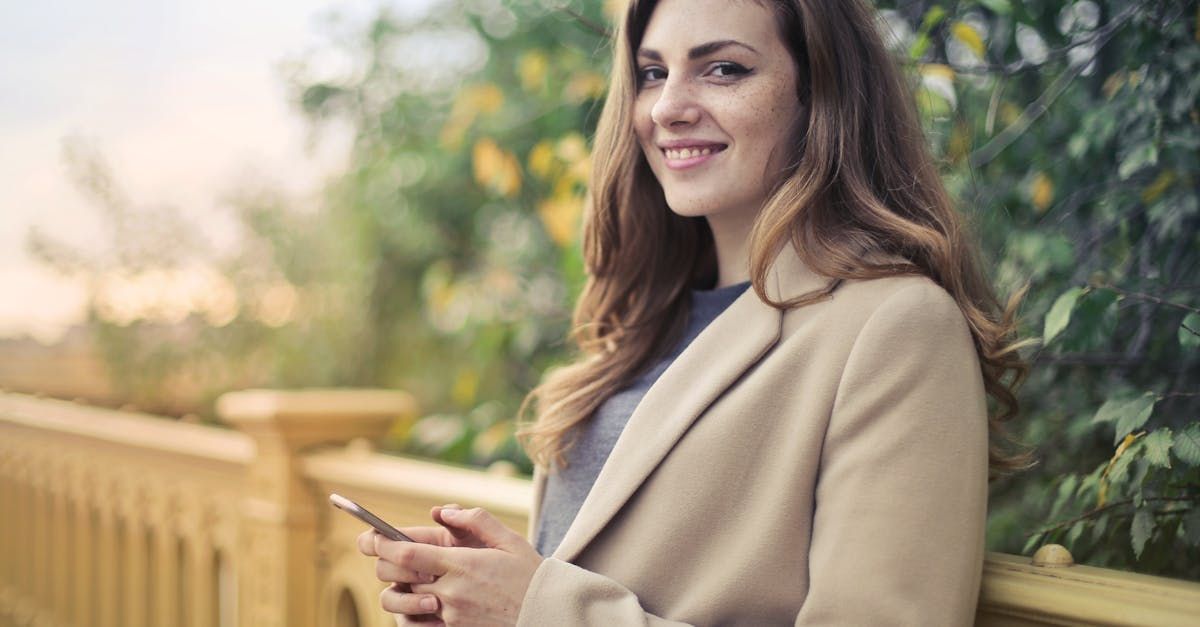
<point x="730" y="345"/>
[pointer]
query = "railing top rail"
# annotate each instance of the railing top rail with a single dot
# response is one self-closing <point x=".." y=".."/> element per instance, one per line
<point x="136" y="430"/>
<point x="1012" y="586"/>
<point x="382" y="473"/>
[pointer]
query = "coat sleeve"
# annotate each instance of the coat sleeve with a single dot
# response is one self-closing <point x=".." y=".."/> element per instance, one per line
<point x="562" y="593"/>
<point x="901" y="496"/>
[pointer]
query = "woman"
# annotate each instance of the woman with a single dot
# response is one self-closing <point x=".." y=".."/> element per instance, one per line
<point x="806" y="443"/>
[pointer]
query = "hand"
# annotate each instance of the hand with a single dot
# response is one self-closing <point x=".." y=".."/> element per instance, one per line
<point x="401" y="578"/>
<point x="475" y="571"/>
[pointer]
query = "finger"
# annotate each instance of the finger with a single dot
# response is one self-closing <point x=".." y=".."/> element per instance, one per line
<point x="463" y="537"/>
<point x="426" y="535"/>
<point x="388" y="572"/>
<point x="366" y="543"/>
<point x="413" y="556"/>
<point x="482" y="525"/>
<point x="423" y="620"/>
<point x="397" y="601"/>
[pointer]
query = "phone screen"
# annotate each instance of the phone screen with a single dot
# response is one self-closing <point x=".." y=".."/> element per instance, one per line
<point x="361" y="513"/>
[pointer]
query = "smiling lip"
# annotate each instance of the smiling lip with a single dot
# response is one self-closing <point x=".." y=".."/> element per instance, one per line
<point x="683" y="154"/>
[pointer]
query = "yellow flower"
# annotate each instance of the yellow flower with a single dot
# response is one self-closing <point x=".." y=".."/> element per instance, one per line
<point x="561" y="216"/>
<point x="1155" y="190"/>
<point x="496" y="169"/>
<point x="571" y="147"/>
<point x="541" y="159"/>
<point x="968" y="36"/>
<point x="584" y="86"/>
<point x="531" y="67"/>
<point x="1041" y="191"/>
<point x="466" y="386"/>
<point x="937" y="70"/>
<point x="472" y="100"/>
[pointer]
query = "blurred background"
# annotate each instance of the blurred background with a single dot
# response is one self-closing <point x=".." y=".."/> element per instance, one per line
<point x="199" y="197"/>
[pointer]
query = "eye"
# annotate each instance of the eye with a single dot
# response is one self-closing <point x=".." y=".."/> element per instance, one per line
<point x="651" y="73"/>
<point x="727" y="69"/>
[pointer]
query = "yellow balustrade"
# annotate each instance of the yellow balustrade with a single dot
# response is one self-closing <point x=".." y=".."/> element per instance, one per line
<point x="119" y="519"/>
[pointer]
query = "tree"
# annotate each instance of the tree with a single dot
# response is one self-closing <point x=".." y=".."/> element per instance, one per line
<point x="1069" y="131"/>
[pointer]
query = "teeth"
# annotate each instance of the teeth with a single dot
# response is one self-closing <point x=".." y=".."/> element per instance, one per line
<point x="687" y="153"/>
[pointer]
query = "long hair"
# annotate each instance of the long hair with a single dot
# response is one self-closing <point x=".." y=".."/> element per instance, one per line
<point x="860" y="191"/>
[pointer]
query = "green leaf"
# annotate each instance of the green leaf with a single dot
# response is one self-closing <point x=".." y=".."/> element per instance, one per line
<point x="919" y="47"/>
<point x="1099" y="528"/>
<point x="1116" y="474"/>
<point x="1158" y="447"/>
<point x="1066" y="490"/>
<point x="1126" y="412"/>
<point x="1187" y="444"/>
<point x="933" y="17"/>
<point x="1073" y="535"/>
<point x="1060" y="314"/>
<point x="1191" y="526"/>
<point x="1001" y="7"/>
<point x="1134" y="415"/>
<point x="1031" y="543"/>
<point x="1189" y="331"/>
<point x="1143" y="156"/>
<point x="1141" y="530"/>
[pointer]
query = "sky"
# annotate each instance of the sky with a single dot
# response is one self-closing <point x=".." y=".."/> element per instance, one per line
<point x="183" y="99"/>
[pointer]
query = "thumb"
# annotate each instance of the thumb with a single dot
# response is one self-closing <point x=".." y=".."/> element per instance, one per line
<point x="481" y="524"/>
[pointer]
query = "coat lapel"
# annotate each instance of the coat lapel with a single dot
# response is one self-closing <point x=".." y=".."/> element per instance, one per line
<point x="730" y="345"/>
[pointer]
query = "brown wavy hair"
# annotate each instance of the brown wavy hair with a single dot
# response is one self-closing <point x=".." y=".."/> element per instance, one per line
<point x="860" y="192"/>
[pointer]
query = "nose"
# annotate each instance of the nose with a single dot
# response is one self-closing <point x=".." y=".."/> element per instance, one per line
<point x="676" y="104"/>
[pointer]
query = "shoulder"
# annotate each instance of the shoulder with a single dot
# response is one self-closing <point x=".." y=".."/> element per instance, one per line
<point x="911" y="301"/>
<point x="909" y="305"/>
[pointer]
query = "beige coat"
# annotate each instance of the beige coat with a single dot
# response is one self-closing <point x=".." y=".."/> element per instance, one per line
<point x="823" y="466"/>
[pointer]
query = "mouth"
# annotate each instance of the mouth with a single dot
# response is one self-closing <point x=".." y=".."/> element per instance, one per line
<point x="683" y="157"/>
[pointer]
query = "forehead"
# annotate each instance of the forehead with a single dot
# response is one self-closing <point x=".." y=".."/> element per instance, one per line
<point x="681" y="24"/>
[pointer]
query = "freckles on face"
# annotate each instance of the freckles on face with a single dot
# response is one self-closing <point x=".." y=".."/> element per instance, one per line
<point x="715" y="105"/>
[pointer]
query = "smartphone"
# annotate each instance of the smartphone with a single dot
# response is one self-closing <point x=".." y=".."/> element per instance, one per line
<point x="361" y="513"/>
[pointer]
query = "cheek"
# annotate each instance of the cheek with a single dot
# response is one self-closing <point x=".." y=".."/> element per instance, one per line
<point x="770" y="123"/>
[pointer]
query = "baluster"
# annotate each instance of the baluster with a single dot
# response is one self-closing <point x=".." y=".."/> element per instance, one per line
<point x="107" y="568"/>
<point x="166" y="591"/>
<point x="41" y="543"/>
<point x="132" y="584"/>
<point x="59" y="548"/>
<point x="202" y="590"/>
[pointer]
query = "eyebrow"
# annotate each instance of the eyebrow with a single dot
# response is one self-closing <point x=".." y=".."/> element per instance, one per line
<point x="700" y="51"/>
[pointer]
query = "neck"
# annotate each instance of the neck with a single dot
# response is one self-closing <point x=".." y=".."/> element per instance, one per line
<point x="731" y="236"/>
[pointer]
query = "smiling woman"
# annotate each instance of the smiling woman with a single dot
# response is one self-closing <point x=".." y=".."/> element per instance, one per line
<point x="779" y="414"/>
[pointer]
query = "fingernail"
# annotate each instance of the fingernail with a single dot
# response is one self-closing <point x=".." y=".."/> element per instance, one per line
<point x="429" y="604"/>
<point x="450" y="512"/>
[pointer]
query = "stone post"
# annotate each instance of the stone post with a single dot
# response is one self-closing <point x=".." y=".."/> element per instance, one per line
<point x="277" y="581"/>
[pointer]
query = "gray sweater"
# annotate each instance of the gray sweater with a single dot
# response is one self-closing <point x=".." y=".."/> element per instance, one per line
<point x="566" y="488"/>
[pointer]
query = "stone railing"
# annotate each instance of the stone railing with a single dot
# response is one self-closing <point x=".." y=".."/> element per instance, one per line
<point x="123" y="520"/>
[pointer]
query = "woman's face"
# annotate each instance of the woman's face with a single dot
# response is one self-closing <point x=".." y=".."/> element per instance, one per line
<point x="716" y="105"/>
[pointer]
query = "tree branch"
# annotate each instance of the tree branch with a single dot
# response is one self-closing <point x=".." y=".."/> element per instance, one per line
<point x="1031" y="113"/>
<point x="1100" y="510"/>
<point x="1146" y="297"/>
<point x="588" y="24"/>
<point x="1039" y="107"/>
<point x="1016" y="67"/>
<point x="1104" y="360"/>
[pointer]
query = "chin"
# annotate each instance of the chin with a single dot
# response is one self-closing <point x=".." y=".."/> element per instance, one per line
<point x="691" y="205"/>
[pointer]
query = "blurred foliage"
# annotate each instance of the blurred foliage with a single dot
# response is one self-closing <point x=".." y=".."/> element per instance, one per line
<point x="445" y="259"/>
<point x="1069" y="133"/>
